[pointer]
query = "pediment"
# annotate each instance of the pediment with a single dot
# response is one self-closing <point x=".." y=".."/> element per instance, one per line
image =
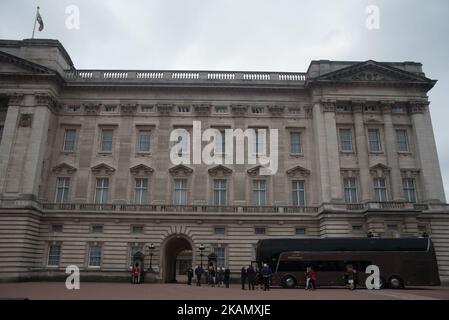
<point x="63" y="168"/>
<point x="379" y="170"/>
<point x="254" y="171"/>
<point x="13" y="64"/>
<point x="374" y="72"/>
<point x="380" y="166"/>
<point x="298" y="171"/>
<point x="141" y="169"/>
<point x="102" y="168"/>
<point x="220" y="170"/>
<point x="180" y="170"/>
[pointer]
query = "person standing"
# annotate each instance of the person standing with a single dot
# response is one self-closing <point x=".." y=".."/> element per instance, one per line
<point x="189" y="275"/>
<point x="198" y="272"/>
<point x="311" y="276"/>
<point x="221" y="276"/>
<point x="266" y="276"/>
<point x="251" y="274"/>
<point x="212" y="276"/>
<point x="243" y="276"/>
<point x="227" y="277"/>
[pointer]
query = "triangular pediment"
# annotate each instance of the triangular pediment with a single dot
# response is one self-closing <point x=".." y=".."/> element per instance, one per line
<point x="379" y="170"/>
<point x="373" y="72"/>
<point x="180" y="170"/>
<point x="141" y="169"/>
<point x="13" y="64"/>
<point x="380" y="166"/>
<point x="63" y="168"/>
<point x="220" y="170"/>
<point x="102" y="168"/>
<point x="298" y="171"/>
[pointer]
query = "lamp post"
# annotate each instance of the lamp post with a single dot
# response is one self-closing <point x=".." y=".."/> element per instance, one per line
<point x="151" y="249"/>
<point x="201" y="253"/>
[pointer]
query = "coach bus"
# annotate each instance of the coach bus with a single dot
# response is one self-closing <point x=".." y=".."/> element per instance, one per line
<point x="402" y="261"/>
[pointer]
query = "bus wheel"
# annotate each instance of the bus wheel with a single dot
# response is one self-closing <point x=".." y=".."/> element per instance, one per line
<point x="289" y="282"/>
<point x="382" y="282"/>
<point x="395" y="282"/>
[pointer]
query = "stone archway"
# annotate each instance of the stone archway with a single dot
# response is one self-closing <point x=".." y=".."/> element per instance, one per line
<point x="173" y="246"/>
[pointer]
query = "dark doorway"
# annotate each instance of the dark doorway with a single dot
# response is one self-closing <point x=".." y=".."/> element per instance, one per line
<point x="177" y="256"/>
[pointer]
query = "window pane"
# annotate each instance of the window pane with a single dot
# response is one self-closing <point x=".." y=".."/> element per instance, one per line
<point x="409" y="190"/>
<point x="141" y="191"/>
<point x="219" y="192"/>
<point x="345" y="140"/>
<point x="54" y="252"/>
<point x="106" y="140"/>
<point x="374" y="140"/>
<point x="62" y="190"/>
<point x="220" y="253"/>
<point x="144" y="141"/>
<point x="298" y="193"/>
<point x="69" y="140"/>
<point x="295" y="143"/>
<point x="380" y="190"/>
<point x="101" y="191"/>
<point x="180" y="192"/>
<point x="402" y="141"/>
<point x="350" y="190"/>
<point x="95" y="256"/>
<point x="259" y="192"/>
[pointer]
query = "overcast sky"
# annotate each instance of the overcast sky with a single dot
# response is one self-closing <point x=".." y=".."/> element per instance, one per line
<point x="271" y="35"/>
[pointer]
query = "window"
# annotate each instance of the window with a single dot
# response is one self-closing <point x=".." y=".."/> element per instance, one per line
<point x="110" y="108"/>
<point x="298" y="193"/>
<point x="220" y="253"/>
<point x="260" y="230"/>
<point x="220" y="192"/>
<point x="392" y="228"/>
<point x="143" y="141"/>
<point x="56" y="227"/>
<point x="221" y="109"/>
<point x="402" y="140"/>
<point x="54" y="253"/>
<point x="295" y="111"/>
<point x="106" y="140"/>
<point x="422" y="228"/>
<point x="101" y="190"/>
<point x="345" y="140"/>
<point x="357" y="228"/>
<point x="300" y="231"/>
<point x="97" y="228"/>
<point x="219" y="231"/>
<point x="374" y="140"/>
<point x="69" y="140"/>
<point x="180" y="194"/>
<point x="184" y="109"/>
<point x="295" y="143"/>
<point x="350" y="190"/>
<point x="133" y="251"/>
<point x="408" y="185"/>
<point x="258" y="110"/>
<point x="259" y="192"/>
<point x="95" y="256"/>
<point x="220" y="143"/>
<point x="62" y="190"/>
<point x="146" y="108"/>
<point x="259" y="143"/>
<point x="380" y="190"/>
<point x="141" y="191"/>
<point x="137" y="229"/>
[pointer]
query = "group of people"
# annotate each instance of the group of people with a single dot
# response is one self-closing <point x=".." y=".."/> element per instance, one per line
<point x="221" y="276"/>
<point x="349" y="276"/>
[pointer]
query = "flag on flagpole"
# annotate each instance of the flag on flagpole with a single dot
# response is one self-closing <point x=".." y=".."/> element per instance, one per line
<point x="40" y="21"/>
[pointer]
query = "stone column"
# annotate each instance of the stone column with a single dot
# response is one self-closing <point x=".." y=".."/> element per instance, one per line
<point x="426" y="154"/>
<point x="9" y="132"/>
<point x="362" y="151"/>
<point x="392" y="155"/>
<point x="328" y="153"/>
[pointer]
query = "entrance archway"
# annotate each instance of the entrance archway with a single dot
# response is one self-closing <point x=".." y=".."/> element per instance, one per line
<point x="177" y="255"/>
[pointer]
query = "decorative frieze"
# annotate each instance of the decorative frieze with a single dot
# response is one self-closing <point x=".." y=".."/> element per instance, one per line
<point x="276" y="110"/>
<point x="328" y="105"/>
<point x="128" y="109"/>
<point x="417" y="106"/>
<point x="165" y="108"/>
<point x="202" y="109"/>
<point x="15" y="99"/>
<point x="239" y="109"/>
<point x="25" y="120"/>
<point x="91" y="108"/>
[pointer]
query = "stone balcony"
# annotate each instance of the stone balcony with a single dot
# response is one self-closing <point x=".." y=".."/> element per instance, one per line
<point x="155" y="77"/>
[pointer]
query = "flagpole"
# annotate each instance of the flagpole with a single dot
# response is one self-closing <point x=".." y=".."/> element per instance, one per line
<point x="35" y="20"/>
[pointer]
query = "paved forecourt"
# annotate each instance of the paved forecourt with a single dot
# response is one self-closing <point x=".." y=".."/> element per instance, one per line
<point x="90" y="290"/>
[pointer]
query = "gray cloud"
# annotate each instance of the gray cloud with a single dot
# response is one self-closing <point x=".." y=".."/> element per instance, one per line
<point x="279" y="35"/>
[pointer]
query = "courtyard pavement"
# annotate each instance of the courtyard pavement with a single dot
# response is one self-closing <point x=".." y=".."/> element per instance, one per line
<point x="128" y="291"/>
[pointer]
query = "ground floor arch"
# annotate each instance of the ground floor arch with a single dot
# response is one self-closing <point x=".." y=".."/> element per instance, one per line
<point x="177" y="255"/>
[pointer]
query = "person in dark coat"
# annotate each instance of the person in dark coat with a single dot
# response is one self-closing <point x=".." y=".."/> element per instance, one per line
<point x="227" y="277"/>
<point x="220" y="276"/>
<point x="198" y="272"/>
<point x="189" y="275"/>
<point x="266" y="276"/>
<point x="251" y="274"/>
<point x="243" y="276"/>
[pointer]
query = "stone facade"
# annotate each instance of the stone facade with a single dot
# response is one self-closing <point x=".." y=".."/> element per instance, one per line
<point x="356" y="155"/>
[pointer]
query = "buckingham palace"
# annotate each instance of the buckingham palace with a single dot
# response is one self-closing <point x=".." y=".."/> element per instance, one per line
<point x="86" y="176"/>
